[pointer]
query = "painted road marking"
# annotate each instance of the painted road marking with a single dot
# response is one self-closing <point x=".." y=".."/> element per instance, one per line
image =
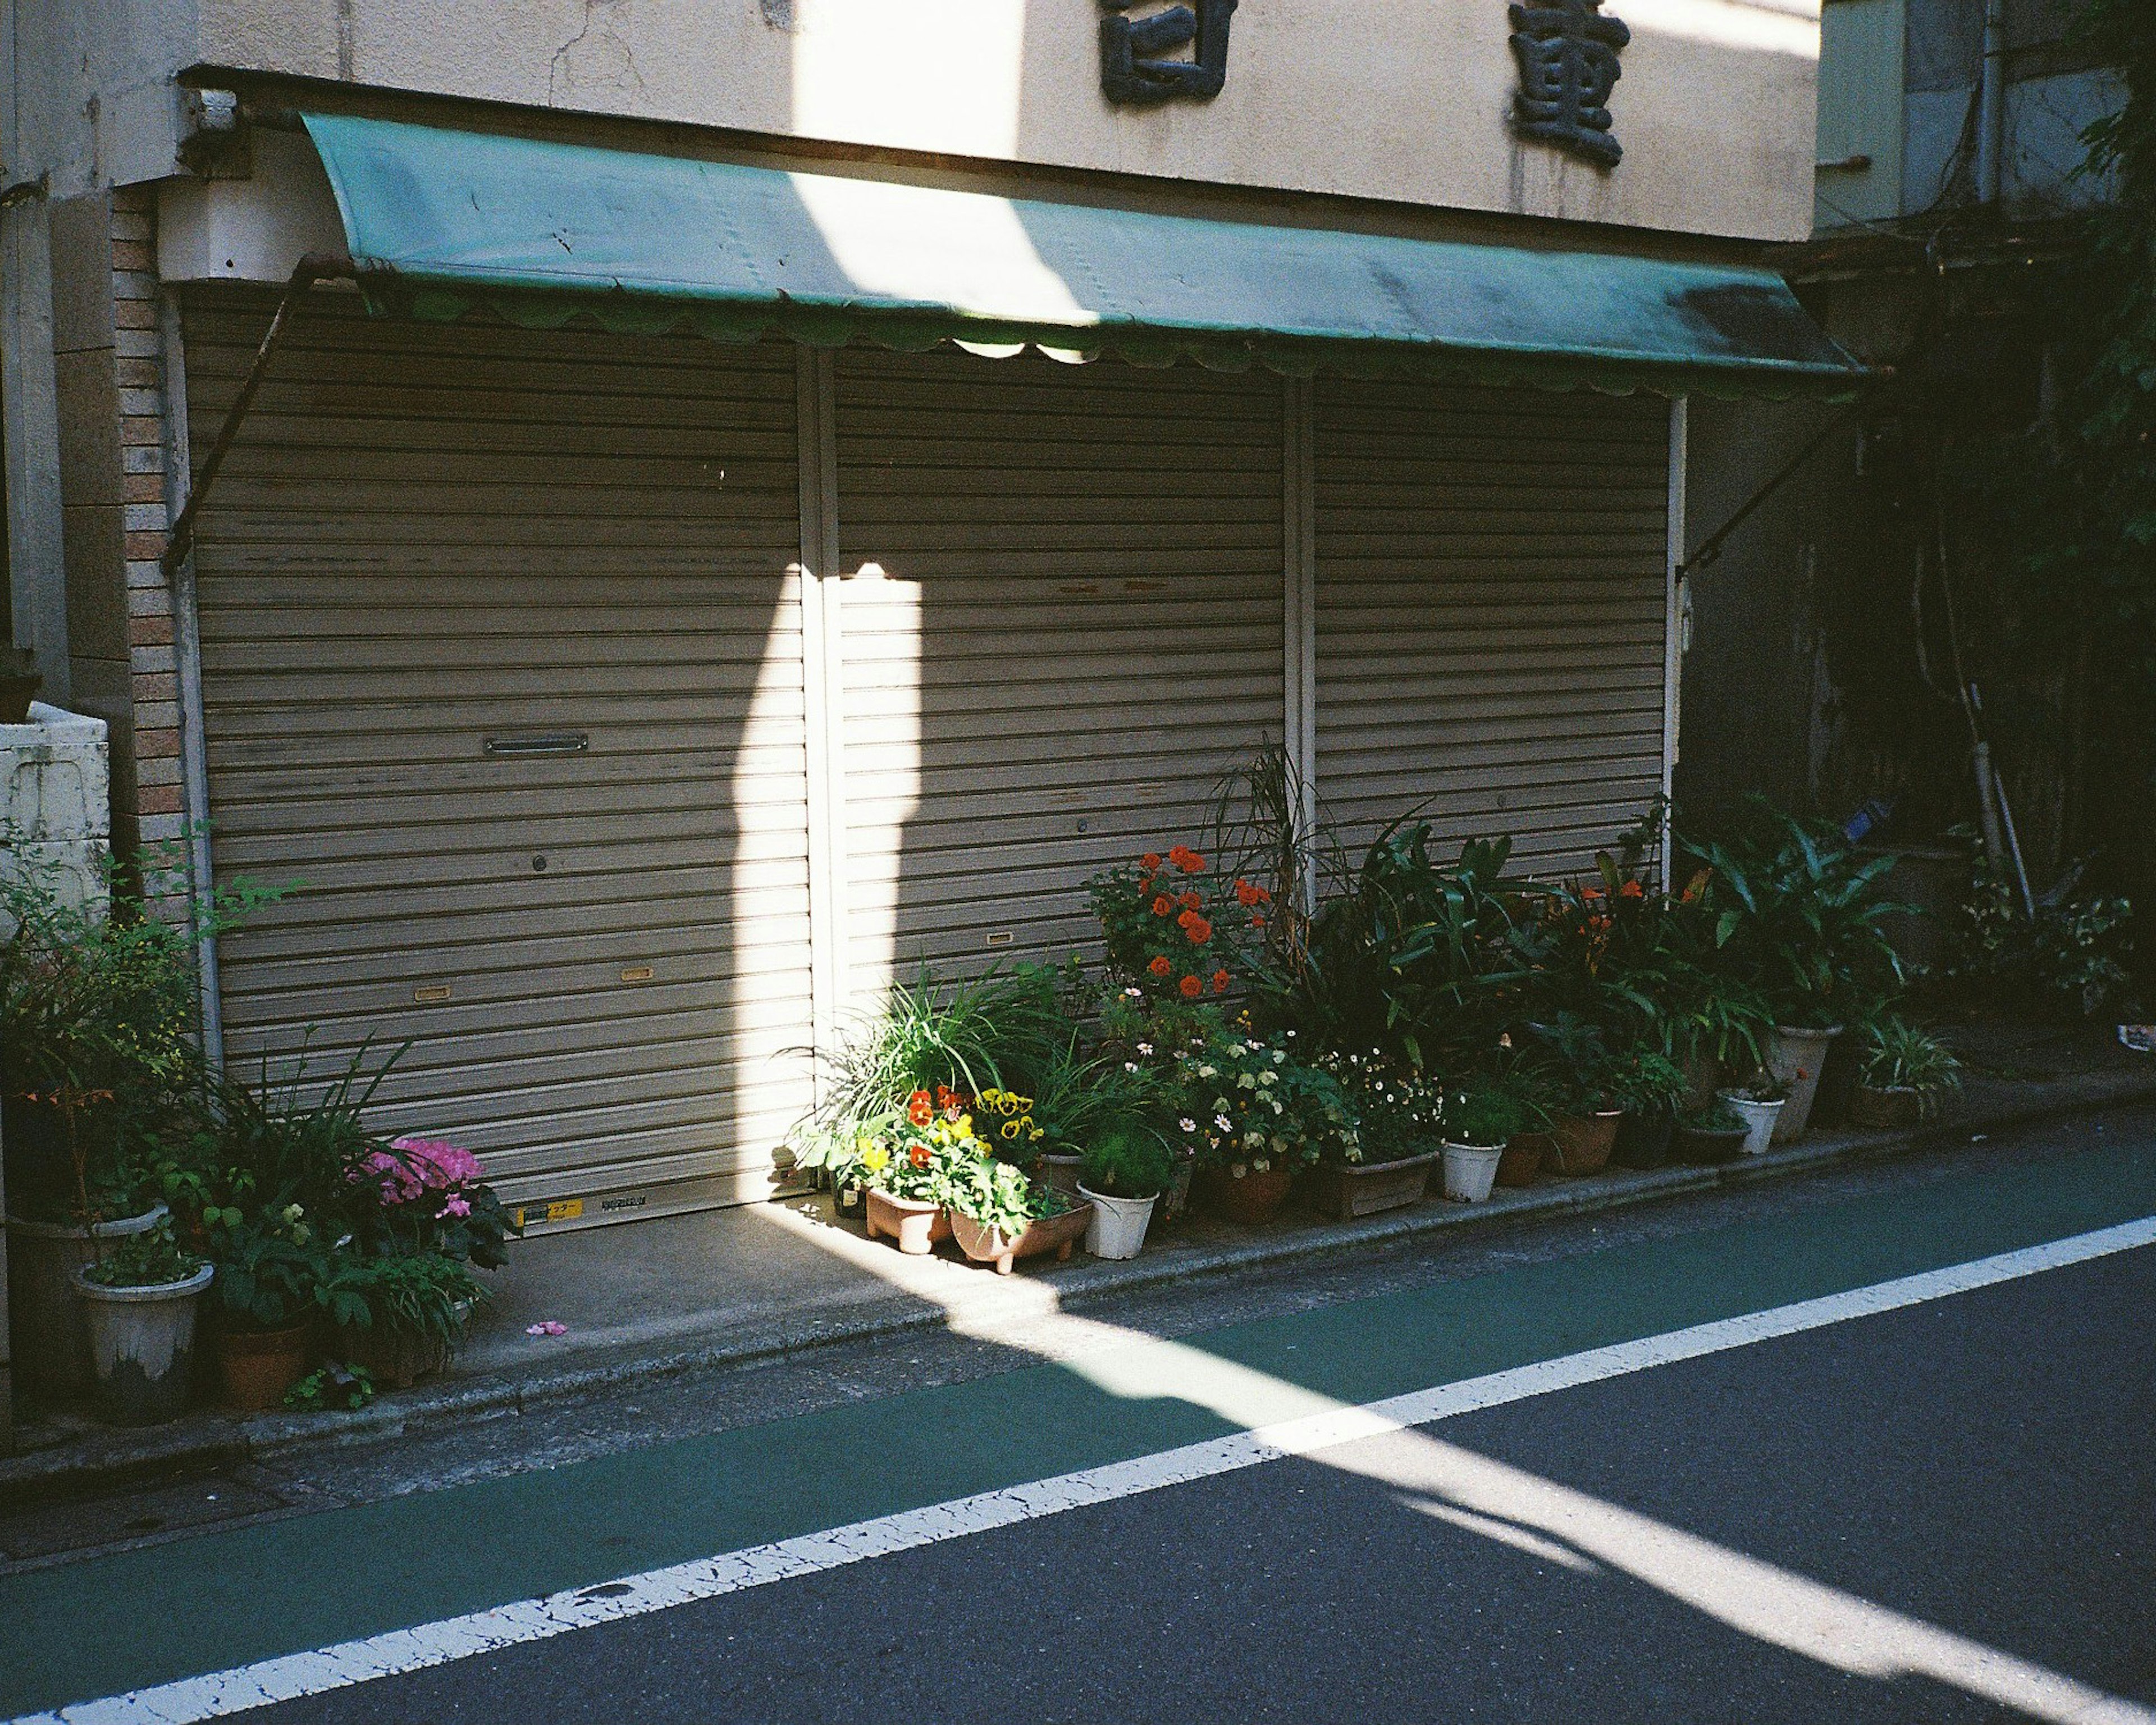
<point x="288" y="1678"/>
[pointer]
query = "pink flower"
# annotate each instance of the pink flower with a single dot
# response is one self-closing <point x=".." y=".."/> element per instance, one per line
<point x="458" y="1205"/>
<point x="547" y="1327"/>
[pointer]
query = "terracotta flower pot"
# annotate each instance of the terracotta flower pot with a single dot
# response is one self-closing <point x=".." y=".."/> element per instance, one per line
<point x="985" y="1244"/>
<point x="1523" y="1158"/>
<point x="1250" y="1199"/>
<point x="1584" y="1141"/>
<point x="254" y="1367"/>
<point x="1344" y="1190"/>
<point x="916" y="1226"/>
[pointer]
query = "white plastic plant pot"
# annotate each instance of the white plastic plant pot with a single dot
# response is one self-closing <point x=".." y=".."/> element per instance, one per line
<point x="1118" y="1227"/>
<point x="1471" y="1170"/>
<point x="141" y="1346"/>
<point x="1794" y="1057"/>
<point x="1759" y="1118"/>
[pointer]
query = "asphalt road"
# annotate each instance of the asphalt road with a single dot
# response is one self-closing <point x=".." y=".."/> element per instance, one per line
<point x="1941" y="1511"/>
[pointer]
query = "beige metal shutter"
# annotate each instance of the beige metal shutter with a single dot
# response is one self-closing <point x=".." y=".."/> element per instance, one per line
<point x="1489" y="612"/>
<point x="429" y="539"/>
<point x="1077" y="633"/>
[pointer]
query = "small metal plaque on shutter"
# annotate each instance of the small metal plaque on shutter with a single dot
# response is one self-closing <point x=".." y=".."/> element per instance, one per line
<point x="539" y="742"/>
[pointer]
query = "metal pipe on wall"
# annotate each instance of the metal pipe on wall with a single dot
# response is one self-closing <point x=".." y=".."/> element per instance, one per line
<point x="1991" y="105"/>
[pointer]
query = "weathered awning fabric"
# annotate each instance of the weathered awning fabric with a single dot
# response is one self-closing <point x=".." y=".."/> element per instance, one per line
<point x="443" y="222"/>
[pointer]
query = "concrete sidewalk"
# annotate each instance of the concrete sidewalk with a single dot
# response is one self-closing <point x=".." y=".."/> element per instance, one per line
<point x="693" y="1293"/>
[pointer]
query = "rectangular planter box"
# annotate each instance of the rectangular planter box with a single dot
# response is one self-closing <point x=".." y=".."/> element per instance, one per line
<point x="1346" y="1190"/>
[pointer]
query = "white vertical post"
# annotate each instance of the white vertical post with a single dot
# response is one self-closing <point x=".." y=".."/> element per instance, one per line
<point x="822" y="649"/>
<point x="29" y="398"/>
<point x="1673" y="608"/>
<point x="1299" y="537"/>
<point x="187" y="655"/>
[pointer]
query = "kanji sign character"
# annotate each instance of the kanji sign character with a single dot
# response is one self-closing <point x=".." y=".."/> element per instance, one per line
<point x="1568" y="55"/>
<point x="1132" y="69"/>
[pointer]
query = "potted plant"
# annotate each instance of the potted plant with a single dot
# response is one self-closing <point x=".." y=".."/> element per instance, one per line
<point x="1479" y="1123"/>
<point x="399" y="1314"/>
<point x="1399" y="1138"/>
<point x="1905" y="1074"/>
<point x="1255" y="1117"/>
<point x="1126" y="1170"/>
<point x="909" y="1175"/>
<point x="1583" y="1116"/>
<point x="1650" y="1088"/>
<point x="139" y="1299"/>
<point x="1758" y="1103"/>
<point x="271" y="1269"/>
<point x="1796" y="1055"/>
<point x="1714" y="1133"/>
<point x="999" y="1215"/>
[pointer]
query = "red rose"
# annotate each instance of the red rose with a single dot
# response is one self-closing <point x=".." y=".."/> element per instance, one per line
<point x="1257" y="921"/>
<point x="1160" y="967"/>
<point x="1199" y="929"/>
<point x="1191" y="902"/>
<point x="1150" y="862"/>
<point x="1161" y="906"/>
<point x="1192" y="988"/>
<point x="1192" y="863"/>
<point x="1219" y="982"/>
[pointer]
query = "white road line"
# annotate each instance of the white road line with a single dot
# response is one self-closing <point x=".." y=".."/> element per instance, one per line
<point x="221" y="1693"/>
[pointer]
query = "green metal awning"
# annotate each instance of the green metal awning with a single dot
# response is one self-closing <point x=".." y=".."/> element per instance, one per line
<point x="443" y="222"/>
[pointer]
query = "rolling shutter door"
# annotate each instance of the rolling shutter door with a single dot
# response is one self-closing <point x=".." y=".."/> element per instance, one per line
<point x="432" y="539"/>
<point x="1489" y="612"/>
<point x="1077" y="635"/>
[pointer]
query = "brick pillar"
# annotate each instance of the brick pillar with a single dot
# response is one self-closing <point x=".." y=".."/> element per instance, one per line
<point x="110" y="361"/>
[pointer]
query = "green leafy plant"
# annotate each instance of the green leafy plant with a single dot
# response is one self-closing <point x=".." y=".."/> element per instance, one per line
<point x="1642" y="1082"/>
<point x="1247" y="1105"/>
<point x="332" y="1388"/>
<point x="1487" y="1115"/>
<point x="2073" y="959"/>
<point x="419" y="1294"/>
<point x="997" y="1196"/>
<point x="1172" y="925"/>
<point x="152" y="1258"/>
<point x="1717" y="1116"/>
<point x="1899" y="1055"/>
<point x="1128" y="1160"/>
<point x="1798" y="915"/>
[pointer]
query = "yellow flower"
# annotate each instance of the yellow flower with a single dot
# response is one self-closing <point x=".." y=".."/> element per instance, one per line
<point x="875" y="1160"/>
<point x="1009" y="1129"/>
<point x="965" y="1126"/>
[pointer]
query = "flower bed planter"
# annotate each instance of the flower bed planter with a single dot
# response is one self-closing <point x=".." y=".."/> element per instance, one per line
<point x="254" y="1367"/>
<point x="1523" y="1158"/>
<point x="141" y="1346"/>
<point x="1759" y="1119"/>
<point x="1347" y="1190"/>
<point x="1471" y="1170"/>
<point x="1644" y="1141"/>
<point x="1583" y="1141"/>
<point x="395" y="1359"/>
<point x="1249" y="1198"/>
<point x="985" y="1244"/>
<point x="1796" y="1057"/>
<point x="1884" y="1109"/>
<point x="1700" y="1145"/>
<point x="917" y="1227"/>
<point x="1118" y="1230"/>
<point x="51" y="1330"/>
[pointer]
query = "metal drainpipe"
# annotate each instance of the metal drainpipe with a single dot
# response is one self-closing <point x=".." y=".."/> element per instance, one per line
<point x="1991" y="100"/>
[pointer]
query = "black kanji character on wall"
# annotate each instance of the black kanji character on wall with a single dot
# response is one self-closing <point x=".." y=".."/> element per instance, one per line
<point x="1568" y="55"/>
<point x="1131" y="66"/>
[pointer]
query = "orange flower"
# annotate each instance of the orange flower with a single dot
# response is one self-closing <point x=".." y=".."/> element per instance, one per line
<point x="1631" y="889"/>
<point x="1150" y="862"/>
<point x="1199" y="929"/>
<point x="920" y="1155"/>
<point x="1192" y="988"/>
<point x="1248" y="896"/>
<point x="1191" y="902"/>
<point x="918" y="1108"/>
<point x="1219" y="982"/>
<point x="1257" y="922"/>
<point x="1161" y="906"/>
<point x="1179" y="854"/>
<point x="1160" y="967"/>
<point x="1192" y="863"/>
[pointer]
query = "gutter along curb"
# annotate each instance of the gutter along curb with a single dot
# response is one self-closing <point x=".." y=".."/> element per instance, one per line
<point x="103" y="1457"/>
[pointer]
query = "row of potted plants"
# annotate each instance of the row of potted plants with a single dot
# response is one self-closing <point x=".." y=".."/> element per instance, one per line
<point x="1417" y="1019"/>
<point x="158" y="1210"/>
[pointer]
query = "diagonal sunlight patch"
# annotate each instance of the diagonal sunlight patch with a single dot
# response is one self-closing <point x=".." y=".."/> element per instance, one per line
<point x="1503" y="1531"/>
<point x="1376" y="1441"/>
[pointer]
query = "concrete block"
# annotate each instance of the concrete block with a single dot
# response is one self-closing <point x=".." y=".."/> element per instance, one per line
<point x="74" y="870"/>
<point x="56" y="778"/>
